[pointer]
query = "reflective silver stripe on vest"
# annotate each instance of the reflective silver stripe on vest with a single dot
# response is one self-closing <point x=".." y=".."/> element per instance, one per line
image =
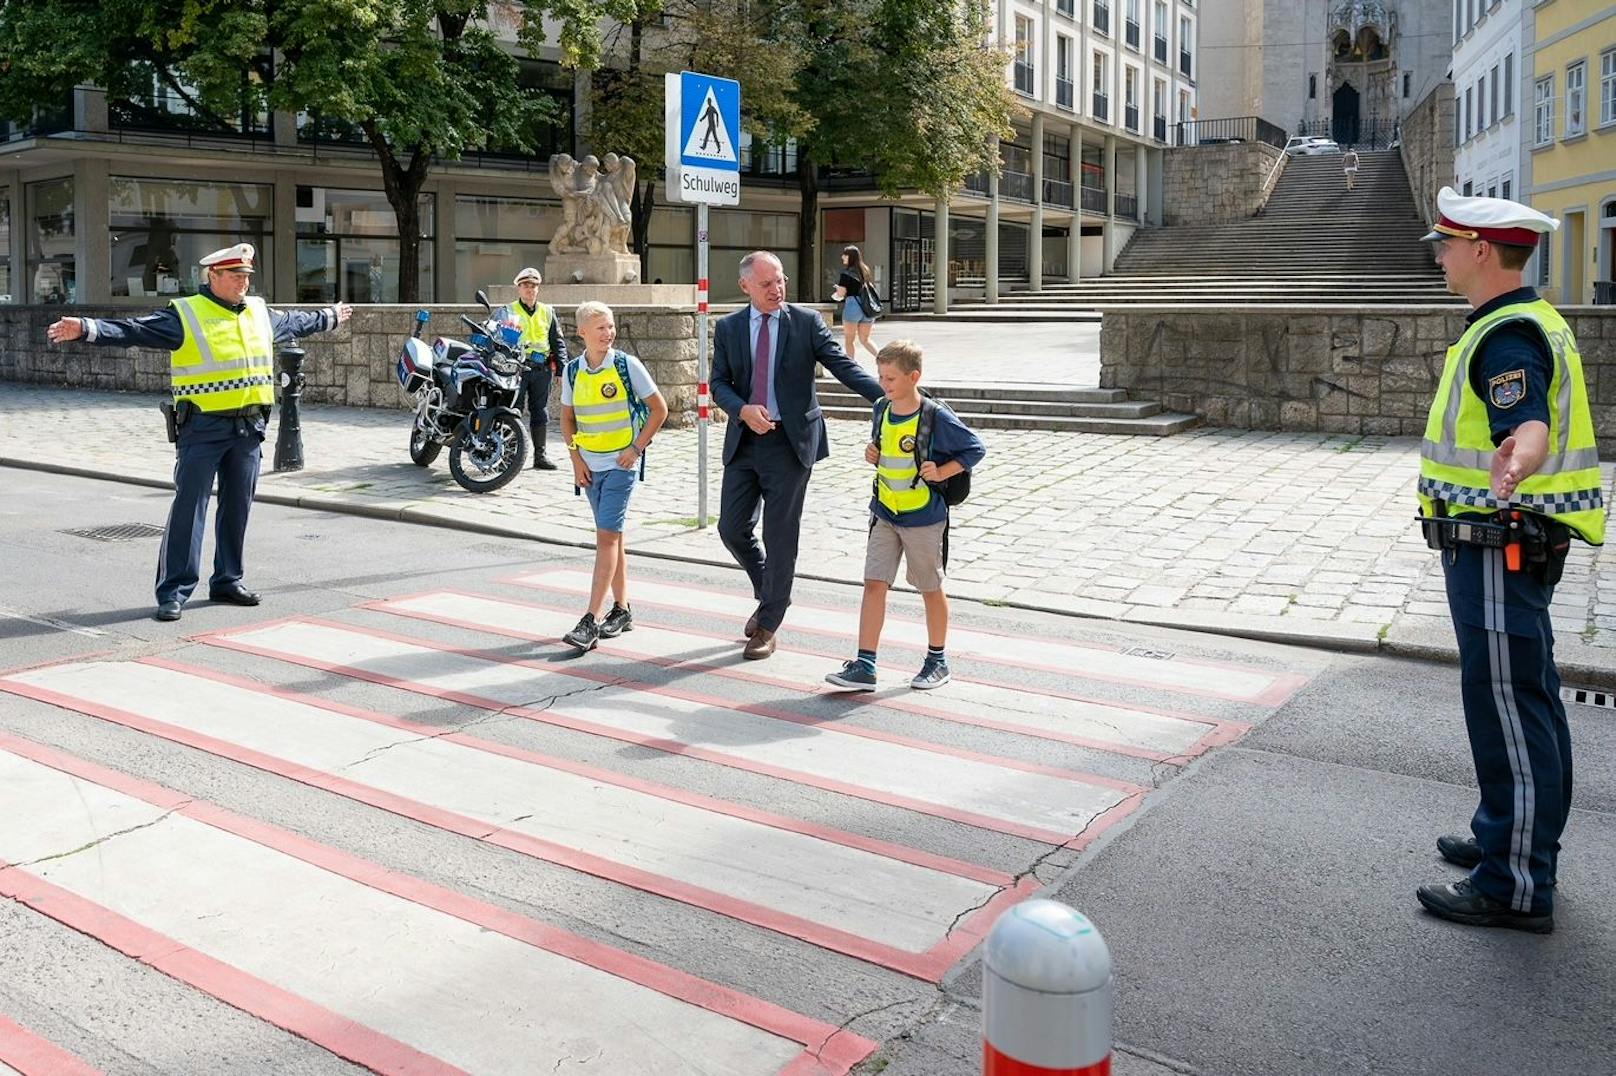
<point x="899" y="485"/>
<point x="600" y="409"/>
<point x="1552" y="504"/>
<point x="604" y="427"/>
<point x="210" y="364"/>
<point x="898" y="463"/>
<point x="1476" y="460"/>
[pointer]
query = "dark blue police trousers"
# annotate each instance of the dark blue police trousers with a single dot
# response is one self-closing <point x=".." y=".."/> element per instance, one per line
<point x="1517" y="724"/>
<point x="209" y="446"/>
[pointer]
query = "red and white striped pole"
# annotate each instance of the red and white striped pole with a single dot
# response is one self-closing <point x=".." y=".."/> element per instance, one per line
<point x="703" y="396"/>
<point x="1047" y="994"/>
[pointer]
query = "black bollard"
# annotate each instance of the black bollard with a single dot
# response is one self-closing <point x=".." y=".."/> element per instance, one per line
<point x="289" y="436"/>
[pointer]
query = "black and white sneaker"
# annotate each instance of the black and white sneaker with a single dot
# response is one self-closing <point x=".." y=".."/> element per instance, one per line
<point x="932" y="674"/>
<point x="853" y="675"/>
<point x="616" y="622"/>
<point x="583" y="637"/>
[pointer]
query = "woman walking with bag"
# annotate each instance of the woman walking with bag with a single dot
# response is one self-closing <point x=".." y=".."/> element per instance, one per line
<point x="855" y="290"/>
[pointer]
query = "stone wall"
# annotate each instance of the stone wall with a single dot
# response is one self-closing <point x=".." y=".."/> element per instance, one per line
<point x="353" y="365"/>
<point x="1428" y="147"/>
<point x="1355" y="370"/>
<point x="1217" y="184"/>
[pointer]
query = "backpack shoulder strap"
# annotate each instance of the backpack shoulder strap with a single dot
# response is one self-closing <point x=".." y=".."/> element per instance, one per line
<point x="928" y="422"/>
<point x="636" y="407"/>
<point x="572" y="370"/>
<point x="879" y="413"/>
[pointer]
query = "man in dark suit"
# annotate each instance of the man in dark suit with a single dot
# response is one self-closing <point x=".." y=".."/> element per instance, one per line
<point x="763" y="376"/>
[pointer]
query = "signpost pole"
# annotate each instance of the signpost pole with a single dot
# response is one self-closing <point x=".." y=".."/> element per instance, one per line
<point x="703" y="390"/>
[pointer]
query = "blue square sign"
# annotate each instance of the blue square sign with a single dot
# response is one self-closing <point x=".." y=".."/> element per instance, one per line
<point x="703" y="133"/>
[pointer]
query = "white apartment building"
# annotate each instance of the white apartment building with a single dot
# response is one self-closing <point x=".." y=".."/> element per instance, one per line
<point x="1487" y="113"/>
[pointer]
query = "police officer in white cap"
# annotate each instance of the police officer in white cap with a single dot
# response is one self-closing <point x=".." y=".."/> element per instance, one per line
<point x="222" y="373"/>
<point x="546" y="350"/>
<point x="1509" y="474"/>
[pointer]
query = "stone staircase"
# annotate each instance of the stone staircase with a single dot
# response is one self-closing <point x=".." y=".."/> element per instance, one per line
<point x="1010" y="406"/>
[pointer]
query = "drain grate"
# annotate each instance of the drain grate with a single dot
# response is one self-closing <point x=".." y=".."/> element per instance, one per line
<point x="117" y="532"/>
<point x="1584" y="697"/>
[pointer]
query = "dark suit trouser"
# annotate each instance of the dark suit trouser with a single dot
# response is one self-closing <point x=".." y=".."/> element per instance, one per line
<point x="209" y="446"/>
<point x="536" y="398"/>
<point x="765" y="478"/>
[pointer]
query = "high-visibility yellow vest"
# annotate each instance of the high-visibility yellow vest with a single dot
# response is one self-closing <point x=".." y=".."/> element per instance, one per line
<point x="600" y="407"/>
<point x="1456" y="457"/>
<point x="227" y="360"/>
<point x="535" y="327"/>
<point x="897" y="480"/>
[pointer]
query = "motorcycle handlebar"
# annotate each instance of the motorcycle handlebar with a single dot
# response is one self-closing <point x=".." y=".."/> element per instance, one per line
<point x="475" y="326"/>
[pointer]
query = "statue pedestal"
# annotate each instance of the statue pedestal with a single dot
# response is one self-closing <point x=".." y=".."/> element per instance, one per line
<point x="608" y="268"/>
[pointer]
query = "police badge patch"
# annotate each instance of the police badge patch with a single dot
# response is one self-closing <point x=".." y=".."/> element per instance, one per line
<point x="907" y="443"/>
<point x="1507" y="390"/>
<point x="608" y="390"/>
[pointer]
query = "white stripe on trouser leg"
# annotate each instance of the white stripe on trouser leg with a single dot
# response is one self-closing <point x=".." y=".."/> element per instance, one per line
<point x="1520" y="766"/>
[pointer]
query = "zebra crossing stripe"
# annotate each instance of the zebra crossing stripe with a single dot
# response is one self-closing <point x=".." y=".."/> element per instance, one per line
<point x="1134" y="731"/>
<point x="1040" y="803"/>
<point x="25" y="1053"/>
<point x="1223" y="680"/>
<point x="415" y="978"/>
<point x="870" y="899"/>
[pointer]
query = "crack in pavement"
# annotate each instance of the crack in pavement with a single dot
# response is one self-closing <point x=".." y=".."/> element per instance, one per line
<point x="100" y="840"/>
<point x="846" y="1025"/>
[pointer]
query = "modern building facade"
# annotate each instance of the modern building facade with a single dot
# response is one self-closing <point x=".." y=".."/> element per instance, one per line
<point x="1349" y="69"/>
<point x="1570" y="159"/>
<point x="1489" y="40"/>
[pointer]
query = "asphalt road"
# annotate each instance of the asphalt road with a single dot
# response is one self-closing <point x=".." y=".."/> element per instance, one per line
<point x="1257" y="898"/>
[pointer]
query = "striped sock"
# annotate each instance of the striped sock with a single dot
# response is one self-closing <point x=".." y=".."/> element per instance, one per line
<point x="866" y="658"/>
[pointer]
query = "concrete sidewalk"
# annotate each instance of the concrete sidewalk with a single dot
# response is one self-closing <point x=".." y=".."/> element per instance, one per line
<point x="1301" y="538"/>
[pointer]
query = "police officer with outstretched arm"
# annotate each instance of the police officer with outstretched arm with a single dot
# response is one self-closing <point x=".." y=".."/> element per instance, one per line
<point x="1509" y="474"/>
<point x="222" y="373"/>
<point x="544" y="347"/>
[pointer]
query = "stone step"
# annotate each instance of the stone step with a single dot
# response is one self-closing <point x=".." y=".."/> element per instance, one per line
<point x="1162" y="425"/>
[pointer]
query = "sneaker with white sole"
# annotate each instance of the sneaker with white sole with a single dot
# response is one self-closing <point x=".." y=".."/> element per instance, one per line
<point x="854" y="675"/>
<point x="616" y="622"/>
<point x="931" y="675"/>
<point x="583" y="637"/>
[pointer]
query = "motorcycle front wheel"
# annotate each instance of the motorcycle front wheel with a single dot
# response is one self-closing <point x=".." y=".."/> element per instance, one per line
<point x="423" y="449"/>
<point x="485" y="462"/>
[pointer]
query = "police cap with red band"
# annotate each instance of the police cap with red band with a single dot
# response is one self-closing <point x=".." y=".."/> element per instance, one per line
<point x="1497" y="220"/>
<point x="238" y="257"/>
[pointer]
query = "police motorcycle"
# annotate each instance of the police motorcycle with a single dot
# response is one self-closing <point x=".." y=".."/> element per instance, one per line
<point x="465" y="398"/>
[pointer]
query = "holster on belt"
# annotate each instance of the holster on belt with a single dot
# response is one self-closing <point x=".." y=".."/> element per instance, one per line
<point x="1532" y="543"/>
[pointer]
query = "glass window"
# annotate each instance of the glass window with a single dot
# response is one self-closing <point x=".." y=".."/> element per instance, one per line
<point x="1469" y="113"/>
<point x="159" y="230"/>
<point x="1576" y="97"/>
<point x="347" y="247"/>
<point x="1492" y="96"/>
<point x="5" y="245"/>
<point x="1543" y="111"/>
<point x="51" y="268"/>
<point x="1481" y="104"/>
<point x="1507" y="187"/>
<point x="1509" y="84"/>
<point x="495" y="237"/>
<point x="1607" y="87"/>
<point x="1543" y="247"/>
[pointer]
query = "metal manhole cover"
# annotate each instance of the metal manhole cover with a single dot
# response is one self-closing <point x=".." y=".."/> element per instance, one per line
<point x="117" y="532"/>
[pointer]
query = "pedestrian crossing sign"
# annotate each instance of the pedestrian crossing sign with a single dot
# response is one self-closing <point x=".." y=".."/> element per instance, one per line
<point x="703" y="115"/>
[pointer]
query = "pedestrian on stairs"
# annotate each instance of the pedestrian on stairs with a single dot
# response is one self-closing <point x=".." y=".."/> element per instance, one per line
<point x="1349" y="165"/>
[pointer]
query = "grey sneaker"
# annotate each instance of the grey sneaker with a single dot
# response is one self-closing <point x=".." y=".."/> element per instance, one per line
<point x="616" y="622"/>
<point x="583" y="637"/>
<point x="853" y="676"/>
<point x="932" y="674"/>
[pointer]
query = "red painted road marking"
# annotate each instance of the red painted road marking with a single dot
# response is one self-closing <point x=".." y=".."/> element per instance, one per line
<point x="837" y="1049"/>
<point x="929" y="964"/>
<point x="1128" y="794"/>
<point x="1281" y="685"/>
<point x="33" y="1056"/>
<point x="1219" y="732"/>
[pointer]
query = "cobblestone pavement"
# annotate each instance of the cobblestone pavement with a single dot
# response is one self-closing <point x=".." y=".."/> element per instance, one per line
<point x="1303" y="537"/>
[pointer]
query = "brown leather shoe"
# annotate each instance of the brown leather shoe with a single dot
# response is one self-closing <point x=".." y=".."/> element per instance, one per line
<point x="751" y="626"/>
<point x="759" y="646"/>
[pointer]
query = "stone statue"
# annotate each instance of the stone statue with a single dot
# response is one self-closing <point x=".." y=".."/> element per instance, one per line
<point x="595" y="217"/>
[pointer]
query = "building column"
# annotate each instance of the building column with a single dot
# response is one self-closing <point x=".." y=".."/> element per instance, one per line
<point x="449" y="287"/>
<point x="1141" y="182"/>
<point x="1035" y="233"/>
<point x="940" y="259"/>
<point x="1158" y="186"/>
<point x="1074" y="250"/>
<point x="1110" y="241"/>
<point x="21" y="288"/>
<point x="284" y="228"/>
<point x="92" y="238"/>
<point x="991" y="237"/>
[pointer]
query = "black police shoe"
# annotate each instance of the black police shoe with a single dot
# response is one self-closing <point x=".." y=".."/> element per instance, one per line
<point x="232" y="594"/>
<point x="1462" y="902"/>
<point x="541" y="462"/>
<point x="167" y="611"/>
<point x="1460" y="851"/>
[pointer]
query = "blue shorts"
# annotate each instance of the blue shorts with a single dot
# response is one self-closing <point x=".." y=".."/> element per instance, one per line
<point x="853" y="311"/>
<point x="608" y="493"/>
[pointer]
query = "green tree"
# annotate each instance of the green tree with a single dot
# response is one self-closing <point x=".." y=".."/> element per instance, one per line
<point x="425" y="80"/>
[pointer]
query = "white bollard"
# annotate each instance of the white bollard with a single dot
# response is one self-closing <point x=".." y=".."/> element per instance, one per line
<point x="1046" y="994"/>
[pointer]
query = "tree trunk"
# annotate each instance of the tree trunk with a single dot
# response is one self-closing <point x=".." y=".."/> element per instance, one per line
<point x="807" y="230"/>
<point x="403" y="187"/>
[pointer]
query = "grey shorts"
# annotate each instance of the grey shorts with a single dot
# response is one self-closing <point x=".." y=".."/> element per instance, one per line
<point x="920" y="548"/>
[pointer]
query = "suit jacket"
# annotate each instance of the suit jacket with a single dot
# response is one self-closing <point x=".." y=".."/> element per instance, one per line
<point x="803" y="342"/>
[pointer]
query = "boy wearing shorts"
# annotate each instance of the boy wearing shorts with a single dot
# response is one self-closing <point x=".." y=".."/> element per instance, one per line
<point x="610" y="410"/>
<point x="908" y="518"/>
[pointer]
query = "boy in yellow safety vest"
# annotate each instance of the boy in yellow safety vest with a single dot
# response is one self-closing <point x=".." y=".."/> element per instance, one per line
<point x="610" y="410"/>
<point x="908" y="513"/>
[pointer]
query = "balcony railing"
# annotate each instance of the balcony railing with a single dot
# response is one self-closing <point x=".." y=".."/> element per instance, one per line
<point x="1063" y="92"/>
<point x="1183" y="63"/>
<point x="1161" y="49"/>
<point x="1016" y="186"/>
<point x="1024" y="78"/>
<point x="1130" y="117"/>
<point x="1102" y="19"/>
<point x="1605" y="293"/>
<point x="1128" y="206"/>
<point x="1158" y="128"/>
<point x="1058" y="192"/>
<point x="1236" y="129"/>
<point x="1102" y="107"/>
<point x="1094" y="200"/>
<point x="977" y="183"/>
<point x="1130" y="33"/>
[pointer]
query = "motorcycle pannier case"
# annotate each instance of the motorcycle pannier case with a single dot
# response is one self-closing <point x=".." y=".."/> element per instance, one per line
<point x="414" y="366"/>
